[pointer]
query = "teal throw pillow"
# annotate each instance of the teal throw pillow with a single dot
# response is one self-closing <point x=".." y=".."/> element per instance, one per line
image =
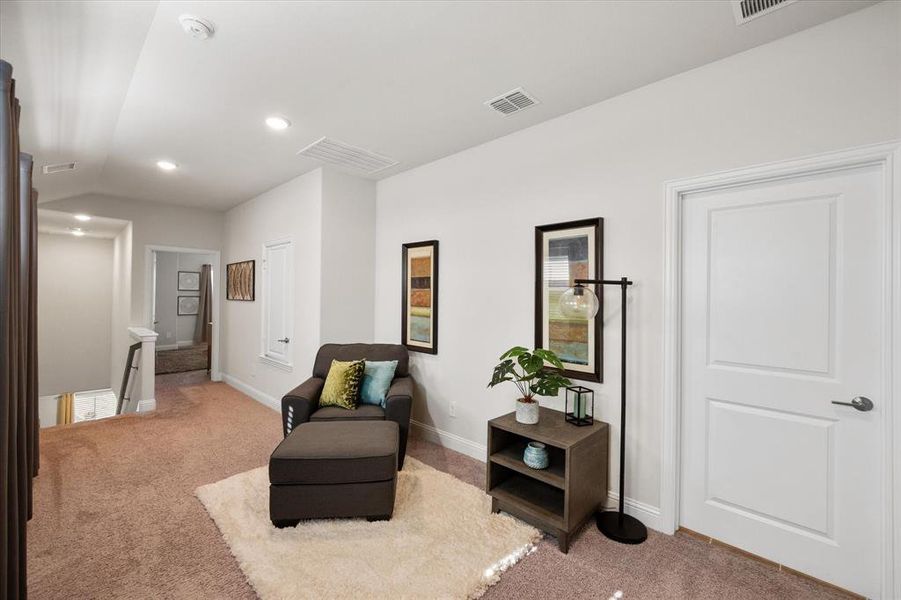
<point x="377" y="377"/>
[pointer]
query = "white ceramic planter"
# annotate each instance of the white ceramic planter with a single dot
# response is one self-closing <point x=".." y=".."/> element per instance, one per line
<point x="526" y="412"/>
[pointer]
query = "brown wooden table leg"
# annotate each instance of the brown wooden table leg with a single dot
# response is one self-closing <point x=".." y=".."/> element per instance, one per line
<point x="563" y="542"/>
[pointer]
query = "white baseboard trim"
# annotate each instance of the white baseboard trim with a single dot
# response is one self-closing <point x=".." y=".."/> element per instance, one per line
<point x="146" y="405"/>
<point x="261" y="397"/>
<point x="450" y="440"/>
<point x="647" y="514"/>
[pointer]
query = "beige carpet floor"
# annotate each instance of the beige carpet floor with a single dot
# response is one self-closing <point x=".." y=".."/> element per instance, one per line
<point x="116" y="516"/>
<point x="179" y="360"/>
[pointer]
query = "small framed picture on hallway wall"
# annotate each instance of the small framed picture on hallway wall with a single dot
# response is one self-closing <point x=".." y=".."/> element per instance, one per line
<point x="188" y="281"/>
<point x="188" y="305"/>
<point x="419" y="317"/>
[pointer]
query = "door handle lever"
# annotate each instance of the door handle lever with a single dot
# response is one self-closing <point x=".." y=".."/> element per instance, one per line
<point x="283" y="340"/>
<point x="861" y="403"/>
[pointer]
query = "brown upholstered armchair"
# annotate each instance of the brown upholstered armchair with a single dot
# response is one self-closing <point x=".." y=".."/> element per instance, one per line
<point x="302" y="403"/>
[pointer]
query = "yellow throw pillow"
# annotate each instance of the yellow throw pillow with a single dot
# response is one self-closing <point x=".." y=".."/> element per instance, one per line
<point x="342" y="385"/>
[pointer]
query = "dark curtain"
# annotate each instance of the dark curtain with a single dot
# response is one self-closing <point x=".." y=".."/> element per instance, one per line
<point x="18" y="349"/>
<point x="202" y="330"/>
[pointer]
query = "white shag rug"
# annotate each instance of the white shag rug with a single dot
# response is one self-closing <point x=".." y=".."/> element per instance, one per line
<point x="442" y="542"/>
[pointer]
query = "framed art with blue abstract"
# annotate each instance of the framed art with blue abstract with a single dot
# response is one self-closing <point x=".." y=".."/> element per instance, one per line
<point x="419" y="318"/>
<point x="565" y="252"/>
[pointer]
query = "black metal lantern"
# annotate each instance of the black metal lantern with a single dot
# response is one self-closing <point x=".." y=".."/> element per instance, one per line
<point x="579" y="409"/>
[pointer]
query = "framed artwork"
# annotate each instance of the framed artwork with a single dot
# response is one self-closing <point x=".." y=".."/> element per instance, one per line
<point x="240" y="281"/>
<point x="419" y="317"/>
<point x="565" y="252"/>
<point x="188" y="281"/>
<point x="188" y="305"/>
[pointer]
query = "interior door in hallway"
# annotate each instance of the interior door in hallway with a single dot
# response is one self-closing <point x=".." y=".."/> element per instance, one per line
<point x="278" y="301"/>
<point x="782" y="317"/>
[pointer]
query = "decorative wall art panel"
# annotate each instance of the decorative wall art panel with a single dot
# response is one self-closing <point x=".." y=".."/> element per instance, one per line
<point x="565" y="252"/>
<point x="419" y="321"/>
<point x="240" y="281"/>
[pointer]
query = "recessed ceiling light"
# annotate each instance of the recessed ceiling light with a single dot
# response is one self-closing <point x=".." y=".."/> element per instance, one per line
<point x="166" y="165"/>
<point x="76" y="231"/>
<point x="278" y="123"/>
<point x="83" y="218"/>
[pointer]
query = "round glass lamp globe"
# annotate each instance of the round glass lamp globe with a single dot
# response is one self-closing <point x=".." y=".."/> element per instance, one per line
<point x="579" y="303"/>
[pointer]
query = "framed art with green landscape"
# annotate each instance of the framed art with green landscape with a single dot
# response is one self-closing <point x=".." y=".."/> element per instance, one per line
<point x="565" y="252"/>
<point x="419" y="316"/>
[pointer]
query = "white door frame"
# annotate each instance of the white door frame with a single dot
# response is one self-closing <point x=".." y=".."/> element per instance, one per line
<point x="149" y="286"/>
<point x="887" y="157"/>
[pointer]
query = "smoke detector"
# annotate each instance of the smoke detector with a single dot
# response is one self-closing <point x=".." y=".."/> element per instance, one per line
<point x="197" y="28"/>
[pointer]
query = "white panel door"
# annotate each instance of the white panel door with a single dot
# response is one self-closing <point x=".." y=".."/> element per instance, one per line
<point x="782" y="315"/>
<point x="278" y="301"/>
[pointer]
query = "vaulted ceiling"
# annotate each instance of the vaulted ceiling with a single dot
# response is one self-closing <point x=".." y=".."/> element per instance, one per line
<point x="117" y="86"/>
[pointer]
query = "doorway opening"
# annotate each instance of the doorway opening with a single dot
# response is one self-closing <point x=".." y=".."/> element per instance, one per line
<point x="183" y="307"/>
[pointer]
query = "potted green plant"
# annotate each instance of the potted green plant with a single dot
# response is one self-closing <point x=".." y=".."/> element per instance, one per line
<point x="529" y="371"/>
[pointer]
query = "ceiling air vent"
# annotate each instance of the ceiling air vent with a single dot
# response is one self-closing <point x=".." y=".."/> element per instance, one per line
<point x="513" y="101"/>
<point x="747" y="10"/>
<point x="59" y="168"/>
<point x="345" y="155"/>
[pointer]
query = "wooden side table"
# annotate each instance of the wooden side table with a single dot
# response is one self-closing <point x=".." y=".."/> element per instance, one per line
<point x="561" y="498"/>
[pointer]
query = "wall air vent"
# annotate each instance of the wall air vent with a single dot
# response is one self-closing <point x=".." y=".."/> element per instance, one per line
<point x="59" y="168"/>
<point x="512" y="102"/>
<point x="347" y="156"/>
<point x="747" y="10"/>
<point x="97" y="404"/>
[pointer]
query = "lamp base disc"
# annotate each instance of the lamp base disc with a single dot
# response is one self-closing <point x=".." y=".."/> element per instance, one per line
<point x="621" y="527"/>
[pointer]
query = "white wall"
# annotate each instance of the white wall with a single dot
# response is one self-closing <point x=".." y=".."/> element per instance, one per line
<point x="152" y="224"/>
<point x="331" y="218"/>
<point x="293" y="210"/>
<point x="165" y="307"/>
<point x="830" y="87"/>
<point x="348" y="258"/>
<point x="48" y="410"/>
<point x="75" y="290"/>
<point x="121" y="306"/>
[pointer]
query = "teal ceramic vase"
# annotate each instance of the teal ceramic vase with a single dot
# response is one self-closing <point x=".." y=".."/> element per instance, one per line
<point x="535" y="456"/>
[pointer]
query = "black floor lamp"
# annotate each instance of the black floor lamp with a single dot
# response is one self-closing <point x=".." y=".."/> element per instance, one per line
<point x="581" y="302"/>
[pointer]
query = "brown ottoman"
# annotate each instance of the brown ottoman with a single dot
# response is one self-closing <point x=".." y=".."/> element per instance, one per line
<point x="334" y="469"/>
